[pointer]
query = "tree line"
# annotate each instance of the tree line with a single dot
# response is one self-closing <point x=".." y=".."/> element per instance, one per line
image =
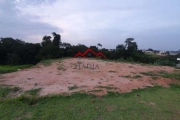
<point x="16" y="52"/>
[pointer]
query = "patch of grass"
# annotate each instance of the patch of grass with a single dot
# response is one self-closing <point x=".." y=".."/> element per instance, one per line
<point x="33" y="92"/>
<point x="73" y="87"/>
<point x="12" y="68"/>
<point x="126" y="76"/>
<point x="136" y="76"/>
<point x="150" y="73"/>
<point x="50" y="61"/>
<point x="47" y="62"/>
<point x="154" y="77"/>
<point x="155" y="103"/>
<point x="61" y="68"/>
<point x="95" y="91"/>
<point x="107" y="87"/>
<point x="172" y="75"/>
<point x="6" y="90"/>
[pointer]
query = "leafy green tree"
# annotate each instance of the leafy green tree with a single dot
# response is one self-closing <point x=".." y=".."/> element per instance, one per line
<point x="15" y="51"/>
<point x="49" y="52"/>
<point x="57" y="39"/>
<point x="121" y="51"/>
<point x="99" y="45"/>
<point x="94" y="48"/>
<point x="131" y="47"/>
<point x="79" y="48"/>
<point x="46" y="40"/>
<point x="106" y="52"/>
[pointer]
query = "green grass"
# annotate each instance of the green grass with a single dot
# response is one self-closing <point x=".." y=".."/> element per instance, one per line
<point x="172" y="75"/>
<point x="107" y="87"/>
<point x="50" y="61"/>
<point x="6" y="90"/>
<point x="155" y="103"/>
<point x="73" y="87"/>
<point x="47" y="62"/>
<point x="33" y="92"/>
<point x="12" y="68"/>
<point x="133" y="77"/>
<point x="154" y="77"/>
<point x="137" y="76"/>
<point x="126" y="76"/>
<point x="150" y="73"/>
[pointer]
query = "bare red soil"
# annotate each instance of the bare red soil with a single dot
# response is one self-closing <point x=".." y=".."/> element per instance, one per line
<point x="72" y="75"/>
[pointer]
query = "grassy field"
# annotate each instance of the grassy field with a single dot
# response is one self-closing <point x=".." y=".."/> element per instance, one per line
<point x="155" y="103"/>
<point x="172" y="75"/>
<point x="10" y="68"/>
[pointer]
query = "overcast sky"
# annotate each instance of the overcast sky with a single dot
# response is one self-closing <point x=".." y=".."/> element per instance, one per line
<point x="153" y="23"/>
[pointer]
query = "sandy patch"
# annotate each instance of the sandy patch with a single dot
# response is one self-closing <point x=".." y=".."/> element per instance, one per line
<point x="88" y="75"/>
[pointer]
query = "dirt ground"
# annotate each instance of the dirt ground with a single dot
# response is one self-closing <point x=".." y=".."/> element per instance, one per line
<point x="85" y="75"/>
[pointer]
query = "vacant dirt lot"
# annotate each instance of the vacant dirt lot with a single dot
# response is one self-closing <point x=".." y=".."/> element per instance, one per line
<point x="86" y="75"/>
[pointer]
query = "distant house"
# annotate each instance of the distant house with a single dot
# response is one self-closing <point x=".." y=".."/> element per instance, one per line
<point x="173" y="52"/>
<point x="89" y="53"/>
<point x="162" y="53"/>
<point x="147" y="51"/>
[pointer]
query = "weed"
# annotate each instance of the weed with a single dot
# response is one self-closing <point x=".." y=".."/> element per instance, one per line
<point x="150" y="73"/>
<point x="33" y="92"/>
<point x="112" y="71"/>
<point x="134" y="77"/>
<point x="133" y="72"/>
<point x="107" y="87"/>
<point x="73" y="87"/>
<point x="137" y="76"/>
<point x="61" y="68"/>
<point x="126" y="76"/>
<point x="95" y="90"/>
<point x="154" y="77"/>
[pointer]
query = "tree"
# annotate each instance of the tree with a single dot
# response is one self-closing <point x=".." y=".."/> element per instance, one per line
<point x="94" y="48"/>
<point x="150" y="49"/>
<point x="120" y="47"/>
<point x="130" y="46"/>
<point x="46" y="40"/>
<point x="15" y="51"/>
<point x="99" y="45"/>
<point x="57" y="39"/>
<point x="128" y="42"/>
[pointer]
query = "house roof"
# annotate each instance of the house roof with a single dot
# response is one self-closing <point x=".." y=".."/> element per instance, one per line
<point x="91" y="51"/>
<point x="79" y="54"/>
<point x="101" y="54"/>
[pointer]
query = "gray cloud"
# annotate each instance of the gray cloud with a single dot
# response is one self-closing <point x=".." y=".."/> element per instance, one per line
<point x="15" y="25"/>
<point x="153" y="24"/>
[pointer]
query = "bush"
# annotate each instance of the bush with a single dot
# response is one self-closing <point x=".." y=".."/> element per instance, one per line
<point x="164" y="62"/>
